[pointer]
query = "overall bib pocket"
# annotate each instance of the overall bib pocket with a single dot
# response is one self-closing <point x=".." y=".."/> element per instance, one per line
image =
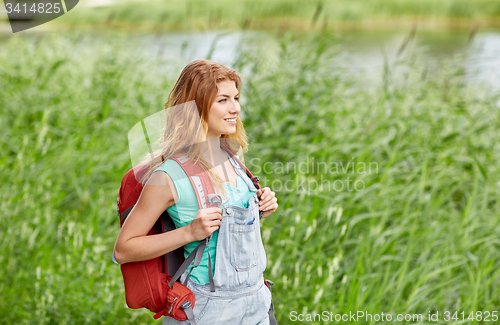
<point x="243" y="248"/>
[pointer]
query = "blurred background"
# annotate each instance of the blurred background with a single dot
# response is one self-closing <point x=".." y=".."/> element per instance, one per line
<point x="409" y="88"/>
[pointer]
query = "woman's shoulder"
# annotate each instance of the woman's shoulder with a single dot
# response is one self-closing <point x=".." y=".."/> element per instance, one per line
<point x="174" y="175"/>
<point x="172" y="168"/>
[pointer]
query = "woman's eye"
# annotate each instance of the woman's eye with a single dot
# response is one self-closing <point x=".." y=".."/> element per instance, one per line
<point x="222" y="100"/>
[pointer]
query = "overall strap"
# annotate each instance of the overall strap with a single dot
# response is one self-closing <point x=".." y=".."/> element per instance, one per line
<point x="238" y="165"/>
<point x="251" y="181"/>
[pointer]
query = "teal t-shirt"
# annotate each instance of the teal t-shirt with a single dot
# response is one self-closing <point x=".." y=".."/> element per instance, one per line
<point x="185" y="209"/>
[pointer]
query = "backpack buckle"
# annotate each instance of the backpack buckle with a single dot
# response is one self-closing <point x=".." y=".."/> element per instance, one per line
<point x="215" y="199"/>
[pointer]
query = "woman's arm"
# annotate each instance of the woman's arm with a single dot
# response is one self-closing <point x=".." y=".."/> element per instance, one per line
<point x="133" y="243"/>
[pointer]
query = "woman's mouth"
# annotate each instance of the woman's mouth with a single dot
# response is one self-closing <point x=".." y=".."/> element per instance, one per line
<point x="231" y="121"/>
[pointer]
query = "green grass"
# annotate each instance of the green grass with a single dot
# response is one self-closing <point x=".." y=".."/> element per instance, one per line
<point x="286" y="14"/>
<point x="421" y="236"/>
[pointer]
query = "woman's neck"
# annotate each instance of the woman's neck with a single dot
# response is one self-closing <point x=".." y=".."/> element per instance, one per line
<point x="213" y="152"/>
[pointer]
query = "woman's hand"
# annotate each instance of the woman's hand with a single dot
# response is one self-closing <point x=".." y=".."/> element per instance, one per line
<point x="205" y="223"/>
<point x="268" y="202"/>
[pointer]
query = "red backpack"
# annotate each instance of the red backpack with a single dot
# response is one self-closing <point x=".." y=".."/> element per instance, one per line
<point x="153" y="284"/>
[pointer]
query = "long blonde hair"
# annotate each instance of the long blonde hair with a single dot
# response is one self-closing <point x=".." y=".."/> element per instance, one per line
<point x="186" y="115"/>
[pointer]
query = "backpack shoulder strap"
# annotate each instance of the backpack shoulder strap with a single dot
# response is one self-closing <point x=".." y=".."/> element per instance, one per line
<point x="206" y="196"/>
<point x="202" y="185"/>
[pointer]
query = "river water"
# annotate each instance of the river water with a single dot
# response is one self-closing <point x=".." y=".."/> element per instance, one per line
<point x="359" y="52"/>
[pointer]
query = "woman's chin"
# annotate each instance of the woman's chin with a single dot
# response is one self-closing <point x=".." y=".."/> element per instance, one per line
<point x="229" y="132"/>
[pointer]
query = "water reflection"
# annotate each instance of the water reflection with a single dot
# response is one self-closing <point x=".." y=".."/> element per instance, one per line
<point x="365" y="52"/>
<point x="361" y="53"/>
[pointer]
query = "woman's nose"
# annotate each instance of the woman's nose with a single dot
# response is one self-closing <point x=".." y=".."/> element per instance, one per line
<point x="235" y="108"/>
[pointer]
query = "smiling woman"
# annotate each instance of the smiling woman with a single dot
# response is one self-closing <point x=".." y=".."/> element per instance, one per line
<point x="227" y="279"/>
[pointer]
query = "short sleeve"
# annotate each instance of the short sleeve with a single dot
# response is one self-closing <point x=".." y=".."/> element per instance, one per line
<point x="113" y="258"/>
<point x="184" y="210"/>
<point x="175" y="172"/>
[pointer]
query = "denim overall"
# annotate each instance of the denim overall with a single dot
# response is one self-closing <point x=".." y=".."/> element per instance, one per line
<point x="240" y="296"/>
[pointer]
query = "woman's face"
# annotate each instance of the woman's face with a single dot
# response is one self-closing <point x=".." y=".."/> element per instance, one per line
<point x="225" y="109"/>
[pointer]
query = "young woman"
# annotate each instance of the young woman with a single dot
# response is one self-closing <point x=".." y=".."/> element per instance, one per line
<point x="202" y="123"/>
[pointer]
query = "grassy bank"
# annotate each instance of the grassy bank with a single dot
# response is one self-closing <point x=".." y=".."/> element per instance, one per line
<point x="417" y="234"/>
<point x="285" y="14"/>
